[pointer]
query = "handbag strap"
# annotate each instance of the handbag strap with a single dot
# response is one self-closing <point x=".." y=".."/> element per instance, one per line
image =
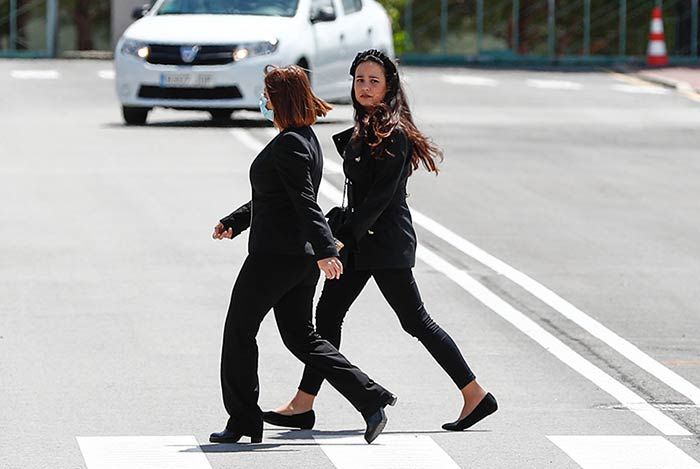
<point x="345" y="191"/>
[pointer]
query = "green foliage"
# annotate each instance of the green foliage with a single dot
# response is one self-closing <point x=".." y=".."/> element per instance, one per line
<point x="396" y="9"/>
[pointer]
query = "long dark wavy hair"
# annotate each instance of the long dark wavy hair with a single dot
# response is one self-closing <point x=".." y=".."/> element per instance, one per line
<point x="375" y="126"/>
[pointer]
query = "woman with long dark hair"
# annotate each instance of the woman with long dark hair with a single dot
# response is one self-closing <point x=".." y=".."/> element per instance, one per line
<point x="379" y="153"/>
<point x="289" y="242"/>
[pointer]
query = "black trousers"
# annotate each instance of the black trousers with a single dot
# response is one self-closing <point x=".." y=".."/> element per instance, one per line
<point x="286" y="284"/>
<point x="401" y="292"/>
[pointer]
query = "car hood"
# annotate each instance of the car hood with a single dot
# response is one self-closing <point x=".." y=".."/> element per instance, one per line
<point x="208" y="29"/>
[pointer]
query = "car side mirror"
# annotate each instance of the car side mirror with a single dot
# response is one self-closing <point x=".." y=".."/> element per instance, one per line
<point x="139" y="12"/>
<point x="323" y="14"/>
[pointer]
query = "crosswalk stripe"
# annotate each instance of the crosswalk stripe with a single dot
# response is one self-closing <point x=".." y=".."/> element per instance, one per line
<point x="35" y="74"/>
<point x="386" y="452"/>
<point x="142" y="452"/>
<point x="624" y="452"/>
<point x="469" y="80"/>
<point x="554" y="84"/>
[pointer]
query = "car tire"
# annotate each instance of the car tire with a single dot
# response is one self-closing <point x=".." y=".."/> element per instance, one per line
<point x="221" y="115"/>
<point x="305" y="65"/>
<point x="135" y="115"/>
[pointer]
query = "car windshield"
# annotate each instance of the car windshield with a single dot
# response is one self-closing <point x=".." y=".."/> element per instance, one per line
<point x="228" y="7"/>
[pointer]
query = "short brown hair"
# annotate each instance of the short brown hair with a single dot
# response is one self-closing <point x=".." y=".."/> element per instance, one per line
<point x="290" y="94"/>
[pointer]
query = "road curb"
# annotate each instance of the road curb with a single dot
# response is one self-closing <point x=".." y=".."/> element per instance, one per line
<point x="682" y="87"/>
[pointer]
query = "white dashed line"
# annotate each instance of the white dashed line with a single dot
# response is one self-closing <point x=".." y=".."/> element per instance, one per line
<point x="554" y="84"/>
<point x="35" y="74"/>
<point x="469" y="80"/>
<point x="634" y="89"/>
<point x="106" y="74"/>
<point x="624" y="452"/>
<point x="142" y="452"/>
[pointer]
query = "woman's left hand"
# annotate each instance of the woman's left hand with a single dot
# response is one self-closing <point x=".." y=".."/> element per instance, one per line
<point x="331" y="267"/>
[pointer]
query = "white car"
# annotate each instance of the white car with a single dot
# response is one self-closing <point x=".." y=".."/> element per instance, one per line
<point x="210" y="54"/>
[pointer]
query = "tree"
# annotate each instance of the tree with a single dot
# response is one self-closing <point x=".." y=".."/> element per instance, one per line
<point x="85" y="13"/>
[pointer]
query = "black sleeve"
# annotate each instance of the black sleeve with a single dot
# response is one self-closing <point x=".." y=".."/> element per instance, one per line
<point x="239" y="220"/>
<point x="389" y="170"/>
<point x="293" y="163"/>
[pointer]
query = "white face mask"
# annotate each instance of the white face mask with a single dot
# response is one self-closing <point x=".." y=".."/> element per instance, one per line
<point x="269" y="114"/>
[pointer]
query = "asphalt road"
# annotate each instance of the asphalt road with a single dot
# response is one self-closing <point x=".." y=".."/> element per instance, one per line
<point x="580" y="314"/>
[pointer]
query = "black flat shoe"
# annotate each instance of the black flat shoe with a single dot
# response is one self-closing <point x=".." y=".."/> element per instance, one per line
<point x="232" y="436"/>
<point x="377" y="421"/>
<point x="304" y="421"/>
<point x="486" y="407"/>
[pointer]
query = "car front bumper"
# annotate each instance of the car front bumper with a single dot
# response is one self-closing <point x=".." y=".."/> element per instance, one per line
<point x="237" y="85"/>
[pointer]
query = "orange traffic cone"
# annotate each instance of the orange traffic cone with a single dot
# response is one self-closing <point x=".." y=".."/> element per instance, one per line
<point x="656" y="51"/>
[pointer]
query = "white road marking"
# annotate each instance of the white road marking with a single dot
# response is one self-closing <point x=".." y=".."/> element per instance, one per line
<point x="35" y="74"/>
<point x="386" y="452"/>
<point x="571" y="312"/>
<point x="106" y="74"/>
<point x="624" y="452"/>
<point x="554" y="84"/>
<point x="469" y="80"/>
<point x="550" y="343"/>
<point x="247" y="139"/>
<point x="626" y="397"/>
<point x="634" y="89"/>
<point x="142" y="452"/>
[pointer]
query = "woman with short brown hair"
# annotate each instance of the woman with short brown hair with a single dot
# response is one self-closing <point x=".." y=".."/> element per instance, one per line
<point x="289" y="241"/>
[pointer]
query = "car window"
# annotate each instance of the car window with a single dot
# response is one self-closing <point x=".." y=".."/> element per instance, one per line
<point x="351" y="6"/>
<point x="228" y="7"/>
<point x="317" y="5"/>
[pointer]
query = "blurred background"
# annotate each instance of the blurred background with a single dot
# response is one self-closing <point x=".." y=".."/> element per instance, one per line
<point x="442" y="31"/>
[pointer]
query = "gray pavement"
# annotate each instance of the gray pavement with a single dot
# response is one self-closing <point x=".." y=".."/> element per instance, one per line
<point x="113" y="295"/>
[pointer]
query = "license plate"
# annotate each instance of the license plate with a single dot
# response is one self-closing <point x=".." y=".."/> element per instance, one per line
<point x="186" y="80"/>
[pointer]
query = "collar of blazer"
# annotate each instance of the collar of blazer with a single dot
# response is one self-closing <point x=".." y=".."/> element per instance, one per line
<point x="341" y="140"/>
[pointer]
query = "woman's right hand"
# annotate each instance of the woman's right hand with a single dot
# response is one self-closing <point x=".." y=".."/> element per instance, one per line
<point x="331" y="267"/>
<point x="220" y="232"/>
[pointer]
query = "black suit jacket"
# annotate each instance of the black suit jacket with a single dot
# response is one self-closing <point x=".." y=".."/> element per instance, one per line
<point x="283" y="215"/>
<point x="380" y="229"/>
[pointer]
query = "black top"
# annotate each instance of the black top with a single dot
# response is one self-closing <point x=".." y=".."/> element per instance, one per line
<point x="283" y="215"/>
<point x="380" y="229"/>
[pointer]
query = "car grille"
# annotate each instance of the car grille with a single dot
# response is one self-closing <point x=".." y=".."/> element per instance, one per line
<point x="222" y="92"/>
<point x="208" y="55"/>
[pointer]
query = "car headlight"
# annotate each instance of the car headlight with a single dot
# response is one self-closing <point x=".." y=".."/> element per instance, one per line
<point x="135" y="48"/>
<point x="251" y="49"/>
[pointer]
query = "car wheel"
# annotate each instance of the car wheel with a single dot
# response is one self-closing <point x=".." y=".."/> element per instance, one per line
<point x="305" y="65"/>
<point x="135" y="115"/>
<point x="221" y="115"/>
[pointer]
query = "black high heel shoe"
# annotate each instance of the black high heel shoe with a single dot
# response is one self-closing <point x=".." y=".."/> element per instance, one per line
<point x="377" y="421"/>
<point x="303" y="421"/>
<point x="486" y="407"/>
<point x="232" y="436"/>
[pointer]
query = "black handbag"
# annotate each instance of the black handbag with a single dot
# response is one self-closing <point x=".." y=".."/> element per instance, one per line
<point x="337" y="217"/>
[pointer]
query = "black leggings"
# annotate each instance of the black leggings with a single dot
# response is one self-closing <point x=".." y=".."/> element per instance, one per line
<point x="401" y="292"/>
<point x="287" y="284"/>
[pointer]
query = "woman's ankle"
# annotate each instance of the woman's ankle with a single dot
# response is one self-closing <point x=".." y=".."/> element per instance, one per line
<point x="302" y="402"/>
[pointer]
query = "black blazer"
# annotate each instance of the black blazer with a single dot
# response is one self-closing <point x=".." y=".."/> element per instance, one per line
<point x="380" y="229"/>
<point x="283" y="215"/>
